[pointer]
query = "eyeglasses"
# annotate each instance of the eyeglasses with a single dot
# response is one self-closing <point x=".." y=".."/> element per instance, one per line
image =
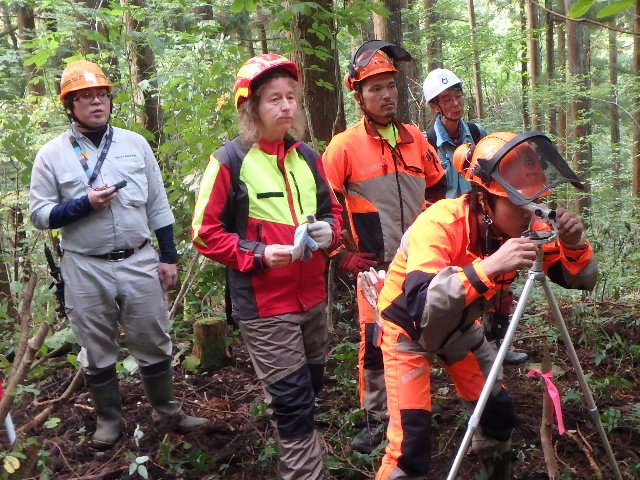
<point x="458" y="98"/>
<point x="87" y="97"/>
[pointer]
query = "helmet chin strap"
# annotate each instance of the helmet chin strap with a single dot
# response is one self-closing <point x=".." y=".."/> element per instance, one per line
<point x="81" y="124"/>
<point x="444" y="116"/>
<point x="370" y="118"/>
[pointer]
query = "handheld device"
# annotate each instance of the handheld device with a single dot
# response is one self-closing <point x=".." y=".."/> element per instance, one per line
<point x="120" y="184"/>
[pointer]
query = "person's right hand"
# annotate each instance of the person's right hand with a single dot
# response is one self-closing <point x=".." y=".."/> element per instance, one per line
<point x="276" y="255"/>
<point x="101" y="197"/>
<point x="356" y="262"/>
<point x="514" y="254"/>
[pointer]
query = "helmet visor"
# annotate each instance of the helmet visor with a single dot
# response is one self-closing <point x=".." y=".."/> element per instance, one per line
<point x="367" y="50"/>
<point x="529" y="167"/>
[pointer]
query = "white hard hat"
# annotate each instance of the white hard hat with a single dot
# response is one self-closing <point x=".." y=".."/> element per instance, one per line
<point x="438" y="81"/>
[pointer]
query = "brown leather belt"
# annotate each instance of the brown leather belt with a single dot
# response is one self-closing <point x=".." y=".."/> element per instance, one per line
<point x="119" y="255"/>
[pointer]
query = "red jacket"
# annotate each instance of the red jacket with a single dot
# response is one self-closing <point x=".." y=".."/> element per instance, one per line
<point x="257" y="197"/>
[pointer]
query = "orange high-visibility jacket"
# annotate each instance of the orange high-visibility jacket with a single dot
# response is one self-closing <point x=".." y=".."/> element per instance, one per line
<point x="384" y="189"/>
<point x="435" y="285"/>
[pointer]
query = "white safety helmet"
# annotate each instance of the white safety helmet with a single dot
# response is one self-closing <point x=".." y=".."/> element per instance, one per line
<point x="438" y="81"/>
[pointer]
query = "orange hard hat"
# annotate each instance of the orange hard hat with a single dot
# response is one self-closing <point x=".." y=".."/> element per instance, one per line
<point x="518" y="169"/>
<point x="82" y="74"/>
<point x="379" y="63"/>
<point x="256" y="67"/>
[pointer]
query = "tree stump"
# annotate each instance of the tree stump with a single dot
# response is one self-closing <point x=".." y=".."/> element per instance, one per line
<point x="209" y="342"/>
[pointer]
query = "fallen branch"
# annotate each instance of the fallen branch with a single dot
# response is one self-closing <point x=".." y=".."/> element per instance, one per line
<point x="22" y="363"/>
<point x="40" y="418"/>
<point x="24" y="317"/>
<point x="586" y="449"/>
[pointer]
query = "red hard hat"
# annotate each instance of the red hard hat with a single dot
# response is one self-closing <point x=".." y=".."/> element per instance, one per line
<point x="254" y="68"/>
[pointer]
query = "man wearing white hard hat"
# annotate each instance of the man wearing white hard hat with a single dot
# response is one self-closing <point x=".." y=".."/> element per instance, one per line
<point x="443" y="91"/>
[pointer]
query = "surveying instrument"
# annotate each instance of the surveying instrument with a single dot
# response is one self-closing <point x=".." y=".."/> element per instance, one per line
<point x="535" y="275"/>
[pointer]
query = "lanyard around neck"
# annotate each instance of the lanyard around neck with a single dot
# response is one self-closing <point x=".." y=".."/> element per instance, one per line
<point x="82" y="155"/>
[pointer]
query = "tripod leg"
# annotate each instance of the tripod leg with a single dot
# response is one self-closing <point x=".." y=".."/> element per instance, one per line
<point x="493" y="374"/>
<point x="573" y="356"/>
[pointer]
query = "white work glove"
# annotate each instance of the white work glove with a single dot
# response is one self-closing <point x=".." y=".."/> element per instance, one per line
<point x="321" y="232"/>
<point x="303" y="244"/>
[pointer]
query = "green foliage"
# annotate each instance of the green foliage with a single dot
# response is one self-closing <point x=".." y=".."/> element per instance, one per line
<point x="582" y="7"/>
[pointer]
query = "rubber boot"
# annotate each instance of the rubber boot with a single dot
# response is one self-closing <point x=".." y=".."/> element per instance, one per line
<point x="497" y="466"/>
<point x="158" y="385"/>
<point x="515" y="358"/>
<point x="105" y="394"/>
<point x="369" y="437"/>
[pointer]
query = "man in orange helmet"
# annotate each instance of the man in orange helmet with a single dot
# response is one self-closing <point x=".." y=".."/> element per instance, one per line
<point x="386" y="173"/>
<point x="453" y="260"/>
<point x="101" y="186"/>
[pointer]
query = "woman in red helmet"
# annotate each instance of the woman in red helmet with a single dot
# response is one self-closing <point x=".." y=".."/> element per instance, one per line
<point x="265" y="210"/>
<point x="457" y="257"/>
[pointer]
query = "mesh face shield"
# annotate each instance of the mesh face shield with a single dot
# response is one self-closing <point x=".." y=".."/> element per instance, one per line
<point x="363" y="55"/>
<point x="528" y="167"/>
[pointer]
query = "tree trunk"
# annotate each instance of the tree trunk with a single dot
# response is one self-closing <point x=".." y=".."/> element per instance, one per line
<point x="89" y="23"/>
<point x="262" y="20"/>
<point x="318" y="77"/>
<point x="143" y="68"/>
<point x="7" y="25"/>
<point x="431" y="27"/>
<point x="562" y="103"/>
<point x="614" y="113"/>
<point x="390" y="30"/>
<point x="635" y="68"/>
<point x="209" y="342"/>
<point x="524" y="85"/>
<point x="578" y="55"/>
<point x="533" y="50"/>
<point x="477" y="81"/>
<point x="26" y="31"/>
<point x="414" y="77"/>
<point x="550" y="60"/>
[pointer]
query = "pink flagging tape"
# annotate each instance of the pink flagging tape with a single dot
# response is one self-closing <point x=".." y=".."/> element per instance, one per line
<point x="553" y="394"/>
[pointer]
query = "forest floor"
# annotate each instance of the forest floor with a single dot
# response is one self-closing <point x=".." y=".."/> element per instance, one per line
<point x="238" y="445"/>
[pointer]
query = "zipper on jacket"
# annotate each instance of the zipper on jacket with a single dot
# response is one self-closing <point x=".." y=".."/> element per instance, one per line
<point x="293" y="177"/>
<point x="259" y="233"/>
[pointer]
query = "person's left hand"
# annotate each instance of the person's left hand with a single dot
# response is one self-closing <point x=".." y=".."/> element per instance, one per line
<point x="570" y="228"/>
<point x="321" y="232"/>
<point x="168" y="274"/>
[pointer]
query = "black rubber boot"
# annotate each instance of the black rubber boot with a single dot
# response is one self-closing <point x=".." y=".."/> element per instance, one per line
<point x="369" y="437"/>
<point x="157" y="381"/>
<point x="105" y="394"/>
<point x="497" y="466"/>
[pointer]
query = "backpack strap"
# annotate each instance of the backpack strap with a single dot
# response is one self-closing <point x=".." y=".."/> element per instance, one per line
<point x="230" y="150"/>
<point x="431" y="137"/>
<point x="475" y="131"/>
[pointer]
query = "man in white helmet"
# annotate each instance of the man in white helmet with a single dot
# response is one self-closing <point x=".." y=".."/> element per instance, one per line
<point x="443" y="91"/>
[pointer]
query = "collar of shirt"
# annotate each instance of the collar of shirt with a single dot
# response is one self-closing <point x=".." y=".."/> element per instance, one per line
<point x="442" y="135"/>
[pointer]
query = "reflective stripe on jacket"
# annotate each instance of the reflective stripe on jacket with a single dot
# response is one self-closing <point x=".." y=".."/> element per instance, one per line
<point x="278" y="184"/>
<point x="384" y="190"/>
<point x="435" y="285"/>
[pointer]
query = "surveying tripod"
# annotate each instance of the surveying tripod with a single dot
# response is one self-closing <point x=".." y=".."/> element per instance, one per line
<point x="534" y="275"/>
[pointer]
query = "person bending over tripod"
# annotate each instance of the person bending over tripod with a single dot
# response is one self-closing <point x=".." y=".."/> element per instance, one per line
<point x="452" y="261"/>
